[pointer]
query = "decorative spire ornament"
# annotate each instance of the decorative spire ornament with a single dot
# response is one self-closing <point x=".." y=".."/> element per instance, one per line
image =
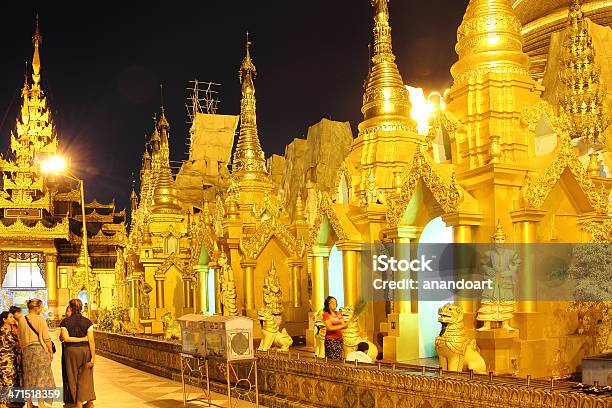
<point x="582" y="98"/>
<point x="249" y="161"/>
<point x="385" y="100"/>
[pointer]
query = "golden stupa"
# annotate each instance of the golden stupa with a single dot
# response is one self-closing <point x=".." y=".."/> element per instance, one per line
<point x="513" y="158"/>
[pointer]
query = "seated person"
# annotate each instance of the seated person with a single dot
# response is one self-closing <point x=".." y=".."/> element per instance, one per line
<point x="361" y="355"/>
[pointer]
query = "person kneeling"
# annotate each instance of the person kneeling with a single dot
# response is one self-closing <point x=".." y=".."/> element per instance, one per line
<point x="361" y="354"/>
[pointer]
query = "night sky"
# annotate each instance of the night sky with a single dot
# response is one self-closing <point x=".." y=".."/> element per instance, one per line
<point x="102" y="67"/>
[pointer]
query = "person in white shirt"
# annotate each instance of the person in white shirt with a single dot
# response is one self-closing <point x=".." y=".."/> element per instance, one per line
<point x="361" y="354"/>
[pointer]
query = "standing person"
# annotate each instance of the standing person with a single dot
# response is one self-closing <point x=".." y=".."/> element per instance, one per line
<point x="334" y="323"/>
<point x="80" y="355"/>
<point x="67" y="396"/>
<point x="16" y="312"/>
<point x="9" y="349"/>
<point x="37" y="351"/>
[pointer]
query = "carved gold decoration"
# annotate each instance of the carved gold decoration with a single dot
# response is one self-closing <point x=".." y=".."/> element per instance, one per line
<point x="37" y="231"/>
<point x="582" y="98"/>
<point x="536" y="192"/>
<point x="228" y="287"/>
<point x="272" y="295"/>
<point x="455" y="350"/>
<point x="253" y="245"/>
<point x="447" y="194"/>
<point x="319" y="334"/>
<point x="325" y="209"/>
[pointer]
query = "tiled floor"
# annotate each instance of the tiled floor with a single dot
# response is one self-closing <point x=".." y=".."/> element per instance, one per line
<point x="120" y="386"/>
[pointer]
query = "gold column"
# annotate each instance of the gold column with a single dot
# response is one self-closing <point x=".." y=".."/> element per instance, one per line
<point x="217" y="273"/>
<point x="203" y="301"/>
<point x="525" y="232"/>
<point x="187" y="294"/>
<point x="132" y="293"/>
<point x="319" y="257"/>
<point x="51" y="280"/>
<point x="249" y="285"/>
<point x="297" y="285"/>
<point x="159" y="293"/>
<point x="462" y="234"/>
<point x="527" y="281"/>
<point x="350" y="268"/>
<point x="410" y="299"/>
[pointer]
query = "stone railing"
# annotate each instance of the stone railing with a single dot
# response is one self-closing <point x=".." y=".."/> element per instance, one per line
<point x="291" y="381"/>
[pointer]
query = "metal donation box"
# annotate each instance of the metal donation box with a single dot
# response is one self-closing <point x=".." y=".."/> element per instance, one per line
<point x="192" y="334"/>
<point x="229" y="337"/>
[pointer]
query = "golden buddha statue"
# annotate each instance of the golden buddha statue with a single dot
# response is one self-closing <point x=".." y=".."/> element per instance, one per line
<point x="272" y="295"/>
<point x="500" y="266"/>
<point x="228" y="287"/>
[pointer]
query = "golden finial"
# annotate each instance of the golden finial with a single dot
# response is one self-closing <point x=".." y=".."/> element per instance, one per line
<point x="249" y="161"/>
<point x="37" y="41"/>
<point x="489" y="39"/>
<point x="163" y="122"/>
<point x="385" y="99"/>
<point x="499" y="232"/>
<point x="155" y="135"/>
<point x="582" y="98"/>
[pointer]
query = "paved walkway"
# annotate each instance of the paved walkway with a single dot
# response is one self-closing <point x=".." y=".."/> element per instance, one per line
<point x="120" y="386"/>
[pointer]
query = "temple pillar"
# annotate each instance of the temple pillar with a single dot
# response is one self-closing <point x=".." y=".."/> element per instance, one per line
<point x="217" y="273"/>
<point x="201" y="289"/>
<point x="160" y="302"/>
<point x="249" y="288"/>
<point x="187" y="295"/>
<point x="320" y="256"/>
<point x="51" y="281"/>
<point x="295" y="295"/>
<point x="463" y="225"/>
<point x="525" y="233"/>
<point x="402" y="340"/>
<point x="351" y="267"/>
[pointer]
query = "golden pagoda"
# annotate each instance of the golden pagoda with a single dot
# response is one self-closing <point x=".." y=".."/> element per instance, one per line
<point x="41" y="220"/>
<point x="501" y="164"/>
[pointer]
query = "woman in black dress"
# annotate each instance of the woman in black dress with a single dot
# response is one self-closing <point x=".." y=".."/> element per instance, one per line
<point x="80" y="355"/>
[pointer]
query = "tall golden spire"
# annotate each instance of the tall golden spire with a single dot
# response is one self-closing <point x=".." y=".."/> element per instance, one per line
<point x="37" y="41"/>
<point x="385" y="100"/>
<point x="582" y="97"/>
<point x="165" y="196"/>
<point x="249" y="161"/>
<point x="489" y="40"/>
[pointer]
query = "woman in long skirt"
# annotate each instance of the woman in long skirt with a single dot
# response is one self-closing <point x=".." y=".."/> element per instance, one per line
<point x="35" y="342"/>
<point x="80" y="355"/>
<point x="334" y="323"/>
<point x="9" y="349"/>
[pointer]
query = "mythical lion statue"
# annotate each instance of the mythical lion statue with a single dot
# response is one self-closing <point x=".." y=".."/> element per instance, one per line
<point x="272" y="335"/>
<point x="172" y="329"/>
<point x="351" y="337"/>
<point x="319" y="334"/>
<point x="455" y="350"/>
<point x="122" y="322"/>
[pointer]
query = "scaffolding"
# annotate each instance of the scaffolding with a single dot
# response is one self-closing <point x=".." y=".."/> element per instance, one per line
<point x="203" y="97"/>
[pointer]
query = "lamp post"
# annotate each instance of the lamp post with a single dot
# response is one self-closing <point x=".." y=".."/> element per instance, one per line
<point x="57" y="165"/>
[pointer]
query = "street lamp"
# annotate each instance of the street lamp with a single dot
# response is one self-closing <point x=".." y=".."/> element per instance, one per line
<point x="57" y="165"/>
